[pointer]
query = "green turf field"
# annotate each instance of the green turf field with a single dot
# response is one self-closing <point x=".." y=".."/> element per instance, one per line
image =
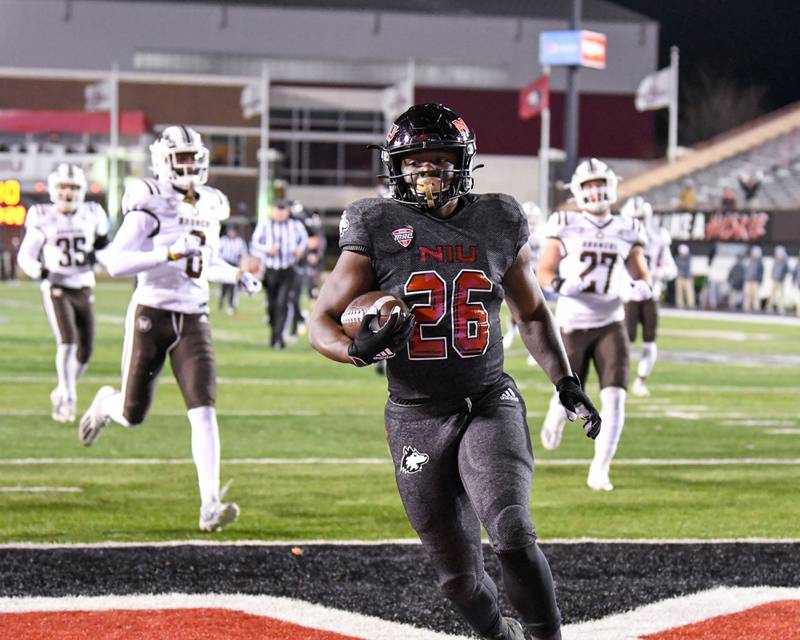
<point x="139" y="484"/>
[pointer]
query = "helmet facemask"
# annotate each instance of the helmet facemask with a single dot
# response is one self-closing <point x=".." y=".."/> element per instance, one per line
<point x="437" y="132"/>
<point x="430" y="184"/>
<point x="67" y="187"/>
<point x="594" y="186"/>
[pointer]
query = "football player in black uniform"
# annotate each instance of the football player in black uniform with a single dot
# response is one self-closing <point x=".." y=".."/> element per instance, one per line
<point x="454" y="420"/>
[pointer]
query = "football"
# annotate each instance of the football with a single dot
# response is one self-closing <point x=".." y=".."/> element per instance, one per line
<point x="381" y="302"/>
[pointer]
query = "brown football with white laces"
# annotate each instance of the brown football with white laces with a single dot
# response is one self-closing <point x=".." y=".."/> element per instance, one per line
<point x="380" y="302"/>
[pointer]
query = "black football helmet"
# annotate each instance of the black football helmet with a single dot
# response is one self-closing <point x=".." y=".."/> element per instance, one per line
<point x="426" y="127"/>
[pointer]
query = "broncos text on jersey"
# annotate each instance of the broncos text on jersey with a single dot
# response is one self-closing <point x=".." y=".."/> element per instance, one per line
<point x="68" y="241"/>
<point x="180" y="285"/>
<point x="595" y="250"/>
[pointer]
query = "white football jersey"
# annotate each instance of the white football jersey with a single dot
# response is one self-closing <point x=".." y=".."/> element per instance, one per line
<point x="659" y="259"/>
<point x="595" y="250"/>
<point x="180" y="285"/>
<point x="68" y="240"/>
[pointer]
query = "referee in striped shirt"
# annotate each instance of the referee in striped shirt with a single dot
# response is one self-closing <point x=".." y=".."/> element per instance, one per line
<point x="281" y="242"/>
<point x="232" y="249"/>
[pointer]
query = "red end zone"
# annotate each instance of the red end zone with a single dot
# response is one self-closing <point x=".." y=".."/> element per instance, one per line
<point x="779" y="620"/>
<point x="144" y="624"/>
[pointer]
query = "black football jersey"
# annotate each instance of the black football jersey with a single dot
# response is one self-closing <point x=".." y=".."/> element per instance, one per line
<point x="450" y="274"/>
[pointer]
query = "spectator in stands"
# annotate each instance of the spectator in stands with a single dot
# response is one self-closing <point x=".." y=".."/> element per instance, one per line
<point x="282" y="241"/>
<point x="684" y="285"/>
<point x="232" y="249"/>
<point x="753" y="275"/>
<point x="750" y="185"/>
<point x="736" y="283"/>
<point x="728" y="202"/>
<point x="780" y="267"/>
<point x="688" y="196"/>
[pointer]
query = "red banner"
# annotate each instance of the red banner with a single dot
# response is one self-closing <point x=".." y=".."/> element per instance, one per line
<point x="534" y="98"/>
<point x="131" y="123"/>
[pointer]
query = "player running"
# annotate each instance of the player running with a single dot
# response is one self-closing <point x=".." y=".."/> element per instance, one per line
<point x="455" y="421"/>
<point x="645" y="312"/>
<point x="583" y="259"/>
<point x="169" y="239"/>
<point x="59" y="249"/>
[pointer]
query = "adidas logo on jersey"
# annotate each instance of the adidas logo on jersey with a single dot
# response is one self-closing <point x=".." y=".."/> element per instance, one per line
<point x="509" y="394"/>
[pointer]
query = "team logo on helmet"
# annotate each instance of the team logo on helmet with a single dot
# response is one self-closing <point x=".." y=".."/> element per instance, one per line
<point x="392" y="133"/>
<point x="462" y="127"/>
<point x="403" y="236"/>
<point x="412" y="460"/>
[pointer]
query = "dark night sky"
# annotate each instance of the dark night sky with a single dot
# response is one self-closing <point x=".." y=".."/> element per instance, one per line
<point x="755" y="41"/>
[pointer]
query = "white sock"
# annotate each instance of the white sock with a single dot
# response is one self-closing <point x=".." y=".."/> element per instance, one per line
<point x="556" y="415"/>
<point x="612" y="413"/>
<point x="112" y="406"/>
<point x="205" y="451"/>
<point x="648" y="359"/>
<point x="66" y="369"/>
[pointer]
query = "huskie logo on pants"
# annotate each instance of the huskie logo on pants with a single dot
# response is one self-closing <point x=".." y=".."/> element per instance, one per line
<point x="412" y="460"/>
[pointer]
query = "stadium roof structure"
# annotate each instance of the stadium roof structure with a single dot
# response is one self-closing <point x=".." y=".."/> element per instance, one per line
<point x="600" y="10"/>
<point x="768" y="146"/>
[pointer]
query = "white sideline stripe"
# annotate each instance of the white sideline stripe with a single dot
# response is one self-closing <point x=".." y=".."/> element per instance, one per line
<point x="374" y="543"/>
<point x="677" y="612"/>
<point x="564" y="462"/>
<point x="266" y="413"/>
<point x="21" y="489"/>
<point x="358" y="381"/>
<point x="288" y="609"/>
<point x="752" y="318"/>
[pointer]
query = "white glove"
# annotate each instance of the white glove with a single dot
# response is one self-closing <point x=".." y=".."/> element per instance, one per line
<point x="186" y="246"/>
<point x="640" y="290"/>
<point x="668" y="273"/>
<point x="572" y="286"/>
<point x="249" y="283"/>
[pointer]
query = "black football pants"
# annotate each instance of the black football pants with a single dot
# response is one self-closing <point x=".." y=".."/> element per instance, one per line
<point x="278" y="284"/>
<point x="462" y="464"/>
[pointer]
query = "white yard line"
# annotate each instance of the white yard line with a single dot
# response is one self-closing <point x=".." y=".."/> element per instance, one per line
<point x="205" y="542"/>
<point x="21" y="489"/>
<point x="564" y="462"/>
<point x="360" y="382"/>
<point x="750" y="318"/>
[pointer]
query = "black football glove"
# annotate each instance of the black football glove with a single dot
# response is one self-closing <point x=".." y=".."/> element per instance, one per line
<point x="577" y="403"/>
<point x="371" y="346"/>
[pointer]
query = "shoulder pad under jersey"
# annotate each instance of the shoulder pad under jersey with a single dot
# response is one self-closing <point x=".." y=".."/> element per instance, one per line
<point x="140" y="191"/>
<point x="213" y="204"/>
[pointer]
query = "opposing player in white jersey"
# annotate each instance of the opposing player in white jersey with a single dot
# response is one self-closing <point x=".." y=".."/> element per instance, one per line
<point x="58" y="248"/>
<point x="645" y="312"/>
<point x="583" y="259"/>
<point x="532" y="213"/>
<point x="169" y="238"/>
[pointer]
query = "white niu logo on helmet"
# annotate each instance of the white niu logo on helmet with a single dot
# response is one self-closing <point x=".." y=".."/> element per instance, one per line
<point x="412" y="460"/>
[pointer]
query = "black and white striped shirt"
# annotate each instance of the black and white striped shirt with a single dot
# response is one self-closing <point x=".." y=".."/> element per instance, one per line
<point x="232" y="250"/>
<point x="289" y="236"/>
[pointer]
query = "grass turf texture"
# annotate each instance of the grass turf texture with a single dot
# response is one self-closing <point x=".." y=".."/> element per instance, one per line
<point x="294" y="404"/>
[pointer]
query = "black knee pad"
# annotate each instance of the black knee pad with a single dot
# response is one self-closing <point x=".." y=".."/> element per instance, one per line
<point x="511" y="529"/>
